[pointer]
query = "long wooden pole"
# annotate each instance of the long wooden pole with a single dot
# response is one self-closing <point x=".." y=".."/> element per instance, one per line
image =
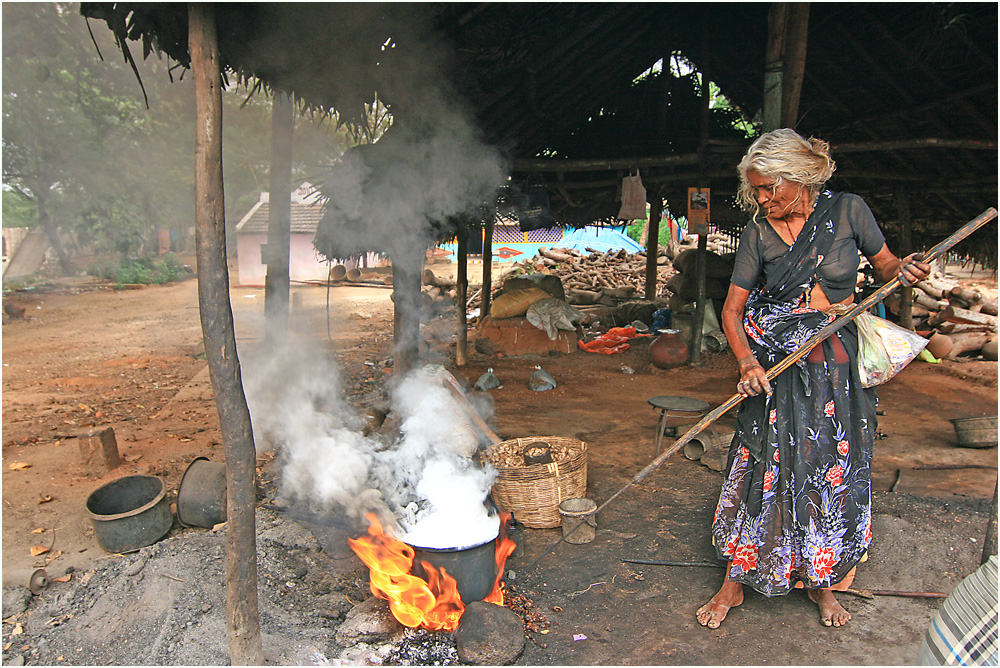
<point x="242" y="619"/>
<point x="653" y="241"/>
<point x="484" y="300"/>
<point x="802" y="351"/>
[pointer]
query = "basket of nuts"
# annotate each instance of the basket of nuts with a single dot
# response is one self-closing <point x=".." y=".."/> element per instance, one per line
<point x="533" y="491"/>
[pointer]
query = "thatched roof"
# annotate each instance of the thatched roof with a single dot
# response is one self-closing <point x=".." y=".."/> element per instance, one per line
<point x="905" y="92"/>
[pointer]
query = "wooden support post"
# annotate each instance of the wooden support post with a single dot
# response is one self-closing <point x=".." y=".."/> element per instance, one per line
<point x="699" y="309"/>
<point x="774" y="65"/>
<point x="242" y="617"/>
<point x="461" y="298"/>
<point x="406" y="279"/>
<point x="279" y="220"/>
<point x="484" y="300"/>
<point x="905" y="246"/>
<point x="99" y="450"/>
<point x="795" y="41"/>
<point x="652" y="241"/>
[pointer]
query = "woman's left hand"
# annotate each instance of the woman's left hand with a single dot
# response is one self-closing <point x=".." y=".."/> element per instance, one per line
<point x="912" y="269"/>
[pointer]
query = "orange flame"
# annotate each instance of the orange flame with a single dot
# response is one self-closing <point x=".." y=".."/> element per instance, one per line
<point x="434" y="603"/>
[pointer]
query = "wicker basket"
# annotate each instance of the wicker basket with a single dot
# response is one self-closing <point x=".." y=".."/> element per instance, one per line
<point x="533" y="493"/>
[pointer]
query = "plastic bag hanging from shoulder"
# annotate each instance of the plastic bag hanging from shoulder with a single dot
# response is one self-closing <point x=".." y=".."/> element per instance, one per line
<point x="633" y="198"/>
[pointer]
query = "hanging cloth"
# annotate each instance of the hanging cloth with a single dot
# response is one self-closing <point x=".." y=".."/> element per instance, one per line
<point x="633" y="198"/>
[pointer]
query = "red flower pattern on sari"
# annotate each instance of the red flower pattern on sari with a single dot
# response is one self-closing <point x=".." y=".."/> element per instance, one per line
<point x="744" y="454"/>
<point x="823" y="562"/>
<point x="746" y="557"/>
<point x="842" y="447"/>
<point x="768" y="480"/>
<point x="828" y="409"/>
<point x="835" y="476"/>
<point x="773" y="417"/>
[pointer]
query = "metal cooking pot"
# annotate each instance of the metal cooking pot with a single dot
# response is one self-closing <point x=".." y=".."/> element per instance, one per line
<point x="474" y="568"/>
<point x="130" y="513"/>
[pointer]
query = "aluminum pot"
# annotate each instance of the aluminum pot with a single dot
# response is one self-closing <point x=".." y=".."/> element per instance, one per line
<point x="201" y="496"/>
<point x="474" y="568"/>
<point x="130" y="513"/>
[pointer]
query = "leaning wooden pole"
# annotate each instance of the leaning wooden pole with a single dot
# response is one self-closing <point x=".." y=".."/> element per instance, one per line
<point x="774" y="371"/>
<point x="653" y="241"/>
<point x="242" y="619"/>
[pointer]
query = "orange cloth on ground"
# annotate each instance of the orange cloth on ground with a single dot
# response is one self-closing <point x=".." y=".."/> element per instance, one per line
<point x="615" y="340"/>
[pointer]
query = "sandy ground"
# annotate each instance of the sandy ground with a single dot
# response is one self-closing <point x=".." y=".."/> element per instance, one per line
<point x="88" y="355"/>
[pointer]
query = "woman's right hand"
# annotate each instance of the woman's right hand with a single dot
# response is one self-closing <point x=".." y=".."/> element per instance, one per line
<point x="753" y="378"/>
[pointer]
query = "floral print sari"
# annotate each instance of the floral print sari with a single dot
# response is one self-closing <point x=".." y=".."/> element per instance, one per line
<point x="796" y="502"/>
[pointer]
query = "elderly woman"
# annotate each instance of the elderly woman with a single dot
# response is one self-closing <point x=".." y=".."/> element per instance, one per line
<point x="795" y="508"/>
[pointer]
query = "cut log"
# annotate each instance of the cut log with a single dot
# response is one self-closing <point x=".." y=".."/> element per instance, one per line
<point x="935" y="287"/>
<point x="928" y="302"/>
<point x="965" y="316"/>
<point x="967" y="295"/>
<point x="970" y="342"/>
<point x="990" y="350"/>
<point x="989" y="306"/>
<point x="555" y="255"/>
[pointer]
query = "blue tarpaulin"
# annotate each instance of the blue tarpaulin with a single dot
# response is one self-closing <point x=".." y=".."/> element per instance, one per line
<point x="602" y="239"/>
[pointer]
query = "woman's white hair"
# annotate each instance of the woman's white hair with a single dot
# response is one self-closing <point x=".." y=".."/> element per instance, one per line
<point x="785" y="156"/>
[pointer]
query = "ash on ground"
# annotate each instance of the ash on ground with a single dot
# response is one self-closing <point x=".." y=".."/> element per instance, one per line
<point x="424" y="648"/>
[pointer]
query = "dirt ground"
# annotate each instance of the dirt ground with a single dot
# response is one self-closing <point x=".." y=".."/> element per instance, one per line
<point x="87" y="355"/>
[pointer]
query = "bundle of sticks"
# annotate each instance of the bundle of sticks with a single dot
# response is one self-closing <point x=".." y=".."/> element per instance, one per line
<point x="961" y="320"/>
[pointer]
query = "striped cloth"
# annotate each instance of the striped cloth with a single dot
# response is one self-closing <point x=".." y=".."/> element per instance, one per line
<point x="964" y="632"/>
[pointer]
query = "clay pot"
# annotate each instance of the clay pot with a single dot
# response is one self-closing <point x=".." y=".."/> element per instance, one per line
<point x="669" y="350"/>
<point x="939" y="345"/>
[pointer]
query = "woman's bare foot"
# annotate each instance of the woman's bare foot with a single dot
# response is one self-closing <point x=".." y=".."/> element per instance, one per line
<point x="714" y="612"/>
<point x="831" y="612"/>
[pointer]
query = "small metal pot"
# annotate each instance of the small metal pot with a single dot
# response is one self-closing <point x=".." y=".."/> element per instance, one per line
<point x="201" y="496"/>
<point x="130" y="513"/>
<point x="474" y="568"/>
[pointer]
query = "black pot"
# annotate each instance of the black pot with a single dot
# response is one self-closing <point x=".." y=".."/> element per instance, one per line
<point x="129" y="513"/>
<point x="474" y="568"/>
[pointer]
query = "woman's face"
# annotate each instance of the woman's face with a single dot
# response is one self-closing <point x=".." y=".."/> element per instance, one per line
<point x="778" y="200"/>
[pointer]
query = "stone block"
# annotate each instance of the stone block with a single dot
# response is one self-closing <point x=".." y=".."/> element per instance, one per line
<point x="489" y="635"/>
<point x="517" y="336"/>
<point x="99" y="450"/>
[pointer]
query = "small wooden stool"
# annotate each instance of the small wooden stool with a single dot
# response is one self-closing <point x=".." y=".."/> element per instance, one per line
<point x="681" y="408"/>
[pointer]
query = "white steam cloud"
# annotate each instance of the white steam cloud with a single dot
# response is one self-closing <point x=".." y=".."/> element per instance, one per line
<point x="425" y="482"/>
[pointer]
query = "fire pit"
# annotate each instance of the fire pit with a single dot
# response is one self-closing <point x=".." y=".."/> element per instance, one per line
<point x="474" y="568"/>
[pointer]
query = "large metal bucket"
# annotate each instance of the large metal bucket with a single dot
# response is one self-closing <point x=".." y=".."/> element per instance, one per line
<point x="130" y="513"/>
<point x="976" y="432"/>
<point x="201" y="496"/>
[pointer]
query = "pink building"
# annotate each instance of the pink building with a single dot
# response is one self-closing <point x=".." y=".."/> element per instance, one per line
<point x="304" y="263"/>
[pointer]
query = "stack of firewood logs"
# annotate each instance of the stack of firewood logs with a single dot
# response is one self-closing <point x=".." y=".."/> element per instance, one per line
<point x="958" y="320"/>
<point x="590" y="278"/>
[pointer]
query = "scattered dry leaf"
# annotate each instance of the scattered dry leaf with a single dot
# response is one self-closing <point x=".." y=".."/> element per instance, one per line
<point x="38" y="530"/>
<point x="219" y="527"/>
<point x="133" y="458"/>
<point x="11" y="619"/>
<point x="18" y="630"/>
<point x="38" y="549"/>
<point x="64" y="578"/>
<point x="53" y="555"/>
<point x="44" y="498"/>
<point x="84" y="407"/>
<point x="19" y="466"/>
<point x="7" y="646"/>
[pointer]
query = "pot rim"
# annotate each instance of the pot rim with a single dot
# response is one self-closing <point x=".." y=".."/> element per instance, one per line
<point x="131" y="513"/>
<point x="453" y="549"/>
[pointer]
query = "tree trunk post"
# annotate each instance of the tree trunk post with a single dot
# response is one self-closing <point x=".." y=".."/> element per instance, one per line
<point x="906" y="247"/>
<point x="990" y="544"/>
<point x="796" y="39"/>
<point x="279" y="220"/>
<point x="406" y="278"/>
<point x="653" y="241"/>
<point x="774" y="65"/>
<point x="461" y="296"/>
<point x="242" y="618"/>
<point x="699" y="309"/>
<point x="484" y="300"/>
